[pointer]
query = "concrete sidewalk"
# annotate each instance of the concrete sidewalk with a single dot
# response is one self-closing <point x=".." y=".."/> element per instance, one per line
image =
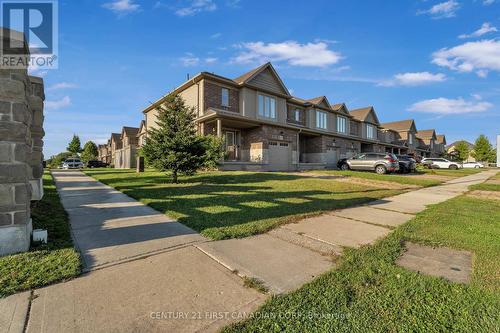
<point x="109" y="227"/>
<point x="148" y="273"/>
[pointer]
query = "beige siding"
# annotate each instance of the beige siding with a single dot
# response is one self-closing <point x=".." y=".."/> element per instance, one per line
<point x="190" y="96"/>
<point x="151" y="119"/>
<point x="267" y="81"/>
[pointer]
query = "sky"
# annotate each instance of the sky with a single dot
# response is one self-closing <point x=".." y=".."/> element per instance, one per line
<point x="437" y="62"/>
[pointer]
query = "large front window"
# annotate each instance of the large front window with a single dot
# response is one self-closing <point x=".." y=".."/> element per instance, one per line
<point x="370" y="131"/>
<point x="321" y="119"/>
<point x="341" y="124"/>
<point x="267" y="107"/>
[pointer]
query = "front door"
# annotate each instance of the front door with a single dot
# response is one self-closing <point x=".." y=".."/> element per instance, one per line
<point x="231" y="146"/>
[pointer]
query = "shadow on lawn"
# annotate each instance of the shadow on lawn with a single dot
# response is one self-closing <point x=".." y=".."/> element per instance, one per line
<point x="227" y="205"/>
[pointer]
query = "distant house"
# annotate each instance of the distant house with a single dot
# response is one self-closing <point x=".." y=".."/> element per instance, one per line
<point x="427" y="142"/>
<point x="125" y="155"/>
<point x="441" y="144"/>
<point x="452" y="152"/>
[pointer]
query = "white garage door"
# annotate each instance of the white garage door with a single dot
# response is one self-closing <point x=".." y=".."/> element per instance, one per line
<point x="279" y="156"/>
<point x="332" y="157"/>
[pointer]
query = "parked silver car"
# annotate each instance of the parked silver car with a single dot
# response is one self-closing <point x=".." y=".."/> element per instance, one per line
<point x="379" y="162"/>
<point x="72" y="163"/>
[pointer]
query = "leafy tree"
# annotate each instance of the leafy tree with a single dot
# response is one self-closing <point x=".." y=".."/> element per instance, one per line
<point x="462" y="151"/>
<point x="75" y="145"/>
<point x="482" y="149"/>
<point x="90" y="151"/>
<point x="492" y="158"/>
<point x="174" y="145"/>
<point x="56" y="160"/>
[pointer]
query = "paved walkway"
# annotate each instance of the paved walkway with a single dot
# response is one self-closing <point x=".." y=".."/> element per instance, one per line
<point x="147" y="273"/>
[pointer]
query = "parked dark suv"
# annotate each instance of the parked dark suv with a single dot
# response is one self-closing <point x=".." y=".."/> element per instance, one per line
<point x="406" y="164"/>
<point x="96" y="164"/>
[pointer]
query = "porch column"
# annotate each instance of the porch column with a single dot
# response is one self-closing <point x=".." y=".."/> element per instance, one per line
<point x="219" y="127"/>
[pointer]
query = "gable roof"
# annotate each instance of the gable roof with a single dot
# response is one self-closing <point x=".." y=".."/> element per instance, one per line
<point x="470" y="145"/>
<point x="130" y="131"/>
<point x="116" y="137"/>
<point x="320" y="101"/>
<point x="441" y="139"/>
<point x="341" y="107"/>
<point x="142" y="127"/>
<point x="402" y="125"/>
<point x="249" y="76"/>
<point x="362" y="113"/>
<point x="426" y="134"/>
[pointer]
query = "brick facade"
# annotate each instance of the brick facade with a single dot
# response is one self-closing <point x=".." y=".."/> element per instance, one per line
<point x="213" y="97"/>
<point x="21" y="133"/>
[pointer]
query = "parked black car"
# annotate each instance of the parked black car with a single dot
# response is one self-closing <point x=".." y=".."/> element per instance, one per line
<point x="342" y="164"/>
<point x="406" y="164"/>
<point x="96" y="164"/>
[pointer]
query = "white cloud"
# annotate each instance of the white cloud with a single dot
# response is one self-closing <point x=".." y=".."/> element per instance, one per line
<point x="485" y="28"/>
<point x="190" y="60"/>
<point x="216" y="35"/>
<point x="196" y="6"/>
<point x="442" y="10"/>
<point x="310" y="54"/>
<point x="488" y="2"/>
<point x="479" y="57"/>
<point x="446" y="106"/>
<point x="413" y="79"/>
<point x="210" y="60"/>
<point x="58" y="104"/>
<point x="62" y="85"/>
<point x="122" y="7"/>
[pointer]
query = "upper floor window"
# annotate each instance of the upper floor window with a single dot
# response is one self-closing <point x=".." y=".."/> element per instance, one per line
<point x="341" y="124"/>
<point x="410" y="138"/>
<point x="321" y="119"/>
<point x="296" y="115"/>
<point x="225" y="97"/>
<point x="370" y="131"/>
<point x="267" y="107"/>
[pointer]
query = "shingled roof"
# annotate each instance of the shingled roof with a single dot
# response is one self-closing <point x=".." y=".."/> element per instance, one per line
<point x="402" y="125"/>
<point x="130" y="131"/>
<point x="426" y="134"/>
<point x="117" y="137"/>
<point x="362" y="113"/>
<point x="440" y="138"/>
<point x="245" y="77"/>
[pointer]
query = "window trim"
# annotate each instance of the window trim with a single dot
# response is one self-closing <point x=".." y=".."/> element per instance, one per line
<point x="268" y="102"/>
<point x="222" y="97"/>
<point x="372" y="128"/>
<point x="296" y="115"/>
<point x="321" y="121"/>
<point x="341" y="119"/>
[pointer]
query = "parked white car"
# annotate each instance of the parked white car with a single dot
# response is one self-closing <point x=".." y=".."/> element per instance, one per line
<point x="441" y="163"/>
<point x="472" y="165"/>
<point x="72" y="163"/>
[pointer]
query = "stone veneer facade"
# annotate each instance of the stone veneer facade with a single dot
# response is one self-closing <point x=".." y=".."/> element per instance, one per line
<point x="21" y="134"/>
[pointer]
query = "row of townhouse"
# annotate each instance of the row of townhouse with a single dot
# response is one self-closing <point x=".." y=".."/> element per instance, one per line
<point x="266" y="128"/>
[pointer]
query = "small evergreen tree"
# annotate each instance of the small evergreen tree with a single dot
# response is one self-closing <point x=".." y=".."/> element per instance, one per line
<point x="174" y="145"/>
<point x="55" y="161"/>
<point x="462" y="151"/>
<point x="482" y="149"/>
<point x="90" y="151"/>
<point x="75" y="145"/>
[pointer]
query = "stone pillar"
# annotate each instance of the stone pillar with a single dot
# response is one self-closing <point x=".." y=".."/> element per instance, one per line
<point x="21" y="132"/>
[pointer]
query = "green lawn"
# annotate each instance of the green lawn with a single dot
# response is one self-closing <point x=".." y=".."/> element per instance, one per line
<point x="407" y="180"/>
<point x="43" y="264"/>
<point x="451" y="173"/>
<point x="367" y="292"/>
<point x="486" y="186"/>
<point x="238" y="204"/>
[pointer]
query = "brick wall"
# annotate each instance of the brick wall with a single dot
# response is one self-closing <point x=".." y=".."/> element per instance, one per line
<point x="21" y="133"/>
<point x="213" y="97"/>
